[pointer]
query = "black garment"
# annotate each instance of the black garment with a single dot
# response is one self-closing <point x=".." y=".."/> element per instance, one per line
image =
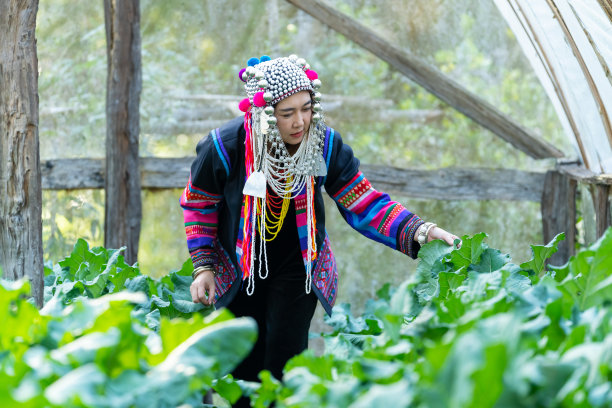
<point x="219" y="173"/>
<point x="279" y="305"/>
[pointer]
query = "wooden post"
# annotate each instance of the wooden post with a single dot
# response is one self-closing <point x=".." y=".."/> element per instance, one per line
<point x="123" y="209"/>
<point x="20" y="179"/>
<point x="601" y="203"/>
<point x="559" y="214"/>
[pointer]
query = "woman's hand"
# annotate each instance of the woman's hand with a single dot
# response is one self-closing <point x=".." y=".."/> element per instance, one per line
<point x="439" y="233"/>
<point x="203" y="288"/>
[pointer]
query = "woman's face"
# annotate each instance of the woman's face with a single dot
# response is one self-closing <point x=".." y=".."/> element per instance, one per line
<point x="293" y="116"/>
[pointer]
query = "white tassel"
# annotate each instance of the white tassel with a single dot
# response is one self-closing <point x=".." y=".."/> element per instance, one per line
<point x="263" y="254"/>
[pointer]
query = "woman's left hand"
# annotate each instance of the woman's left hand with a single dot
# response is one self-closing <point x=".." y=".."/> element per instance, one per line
<point x="439" y="233"/>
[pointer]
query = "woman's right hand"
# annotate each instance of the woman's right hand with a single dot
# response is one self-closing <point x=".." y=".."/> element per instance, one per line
<point x="203" y="288"/>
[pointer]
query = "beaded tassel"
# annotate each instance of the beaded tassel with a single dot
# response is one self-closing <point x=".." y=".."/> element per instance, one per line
<point x="263" y="255"/>
<point x="311" y="223"/>
<point x="248" y="201"/>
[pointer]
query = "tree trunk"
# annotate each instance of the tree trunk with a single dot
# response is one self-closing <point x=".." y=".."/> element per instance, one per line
<point x="123" y="211"/>
<point x="20" y="179"/>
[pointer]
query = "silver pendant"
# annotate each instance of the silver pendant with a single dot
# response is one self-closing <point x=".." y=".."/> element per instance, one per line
<point x="263" y="123"/>
<point x="321" y="167"/>
<point x="255" y="185"/>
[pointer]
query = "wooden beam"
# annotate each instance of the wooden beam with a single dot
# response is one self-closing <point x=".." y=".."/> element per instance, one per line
<point x="583" y="175"/>
<point x="73" y="174"/>
<point x="123" y="208"/>
<point x="448" y="183"/>
<point x="21" y="252"/>
<point x="558" y="207"/>
<point x="431" y="79"/>
<point x="457" y="183"/>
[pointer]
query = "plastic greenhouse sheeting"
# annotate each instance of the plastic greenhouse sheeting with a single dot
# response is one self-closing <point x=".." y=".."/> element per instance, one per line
<point x="569" y="45"/>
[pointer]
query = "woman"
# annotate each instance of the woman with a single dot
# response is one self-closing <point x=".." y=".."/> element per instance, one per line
<point x="255" y="218"/>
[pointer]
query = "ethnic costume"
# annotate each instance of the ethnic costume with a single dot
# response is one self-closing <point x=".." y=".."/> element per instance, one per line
<point x="244" y="185"/>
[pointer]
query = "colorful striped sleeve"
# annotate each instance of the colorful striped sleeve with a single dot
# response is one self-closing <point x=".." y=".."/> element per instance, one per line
<point x="201" y="197"/>
<point x="367" y="210"/>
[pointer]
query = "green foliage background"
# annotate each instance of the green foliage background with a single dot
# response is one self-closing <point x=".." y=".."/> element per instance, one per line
<point x="195" y="48"/>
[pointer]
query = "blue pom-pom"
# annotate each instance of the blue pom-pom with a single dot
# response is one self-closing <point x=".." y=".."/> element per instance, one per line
<point x="252" y="61"/>
<point x="265" y="58"/>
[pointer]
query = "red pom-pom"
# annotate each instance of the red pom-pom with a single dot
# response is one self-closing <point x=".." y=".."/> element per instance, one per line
<point x="240" y="74"/>
<point x="244" y="105"/>
<point x="258" y="99"/>
<point x="312" y="75"/>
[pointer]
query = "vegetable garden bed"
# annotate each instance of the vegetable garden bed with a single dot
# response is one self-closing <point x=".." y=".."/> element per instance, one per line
<point x="469" y="329"/>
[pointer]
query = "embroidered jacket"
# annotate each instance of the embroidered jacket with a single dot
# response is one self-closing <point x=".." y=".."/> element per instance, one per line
<point x="212" y="206"/>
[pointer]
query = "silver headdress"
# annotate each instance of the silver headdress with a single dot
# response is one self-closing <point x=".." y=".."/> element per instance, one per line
<point x="267" y="83"/>
<point x="267" y="160"/>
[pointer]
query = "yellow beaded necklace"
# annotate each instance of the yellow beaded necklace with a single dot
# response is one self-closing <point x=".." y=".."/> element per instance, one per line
<point x="274" y="217"/>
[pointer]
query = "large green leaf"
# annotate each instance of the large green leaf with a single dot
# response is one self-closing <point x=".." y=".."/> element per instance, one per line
<point x="491" y="260"/>
<point x="489" y="378"/>
<point x="176" y="331"/>
<point x="541" y="253"/>
<point x="94" y="262"/>
<point x="79" y="387"/>
<point x="430" y="255"/>
<point x="470" y="250"/>
<point x="478" y="285"/>
<point x="343" y="321"/>
<point x="207" y="353"/>
<point x="515" y="281"/>
<point x="20" y="321"/>
<point x="321" y="366"/>
<point x="227" y="388"/>
<point x="589" y="282"/>
<point x="397" y="394"/>
<point x="84" y="349"/>
<point x="450" y="281"/>
<point x="120" y="273"/>
<point x="378" y="371"/>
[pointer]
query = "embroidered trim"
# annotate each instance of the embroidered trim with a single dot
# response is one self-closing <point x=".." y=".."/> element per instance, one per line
<point x="406" y="236"/>
<point x="221" y="150"/>
<point x="196" y="198"/>
<point x="325" y="275"/>
<point x="327" y="151"/>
